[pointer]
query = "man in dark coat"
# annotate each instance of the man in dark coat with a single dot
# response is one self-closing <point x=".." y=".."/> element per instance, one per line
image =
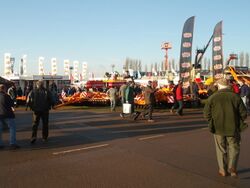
<point x="7" y="115"/>
<point x="226" y="113"/>
<point x="40" y="102"/>
<point x="149" y="101"/>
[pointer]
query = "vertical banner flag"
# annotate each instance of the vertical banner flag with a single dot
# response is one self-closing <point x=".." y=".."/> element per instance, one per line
<point x="24" y="65"/>
<point x="76" y="65"/>
<point x="66" y="67"/>
<point x="84" y="70"/>
<point x="40" y="66"/>
<point x="53" y="66"/>
<point x="7" y="64"/>
<point x="186" y="52"/>
<point x="217" y="52"/>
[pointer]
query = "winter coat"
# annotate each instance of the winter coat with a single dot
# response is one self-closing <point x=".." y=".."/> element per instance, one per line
<point x="225" y="112"/>
<point x="40" y="100"/>
<point x="6" y="106"/>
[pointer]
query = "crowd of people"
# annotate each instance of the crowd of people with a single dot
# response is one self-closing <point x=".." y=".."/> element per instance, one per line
<point x="225" y="110"/>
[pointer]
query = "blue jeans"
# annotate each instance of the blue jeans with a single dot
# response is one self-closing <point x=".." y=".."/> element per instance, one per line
<point x="12" y="126"/>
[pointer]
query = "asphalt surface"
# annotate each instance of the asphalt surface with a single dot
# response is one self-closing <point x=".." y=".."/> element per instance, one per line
<point x="95" y="148"/>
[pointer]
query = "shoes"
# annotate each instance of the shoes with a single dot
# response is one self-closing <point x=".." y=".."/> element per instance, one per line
<point x="14" y="146"/>
<point x="33" y="140"/>
<point x="233" y="173"/>
<point x="151" y="120"/>
<point x="179" y="114"/>
<point x="222" y="174"/>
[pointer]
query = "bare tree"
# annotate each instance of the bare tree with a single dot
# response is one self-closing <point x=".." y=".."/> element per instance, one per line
<point x="151" y="67"/>
<point x="146" y="68"/>
<point x="155" y="67"/>
<point x="162" y="66"/>
<point x="126" y="65"/>
<point x="139" y="66"/>
<point x="172" y="64"/>
<point x="247" y="59"/>
<point x="242" y="59"/>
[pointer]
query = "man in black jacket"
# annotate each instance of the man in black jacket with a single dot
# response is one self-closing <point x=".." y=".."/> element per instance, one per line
<point x="40" y="102"/>
<point x="7" y="115"/>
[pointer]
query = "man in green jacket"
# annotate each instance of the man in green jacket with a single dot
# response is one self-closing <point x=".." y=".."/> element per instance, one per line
<point x="226" y="113"/>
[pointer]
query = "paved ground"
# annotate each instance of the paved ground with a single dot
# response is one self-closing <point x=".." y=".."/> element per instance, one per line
<point x="95" y="148"/>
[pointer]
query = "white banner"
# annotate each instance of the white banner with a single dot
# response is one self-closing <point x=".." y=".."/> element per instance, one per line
<point x="40" y="66"/>
<point x="66" y="67"/>
<point x="24" y="65"/>
<point x="53" y="66"/>
<point x="7" y="64"/>
<point x="84" y="70"/>
<point x="76" y="65"/>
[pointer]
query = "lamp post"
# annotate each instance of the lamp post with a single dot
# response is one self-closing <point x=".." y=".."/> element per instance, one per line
<point x="166" y="46"/>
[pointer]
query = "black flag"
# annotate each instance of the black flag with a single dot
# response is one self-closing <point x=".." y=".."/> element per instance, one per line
<point x="217" y="52"/>
<point x="186" y="52"/>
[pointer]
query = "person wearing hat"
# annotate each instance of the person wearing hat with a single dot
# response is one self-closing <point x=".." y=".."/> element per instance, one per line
<point x="225" y="113"/>
<point x="40" y="102"/>
<point x="7" y="115"/>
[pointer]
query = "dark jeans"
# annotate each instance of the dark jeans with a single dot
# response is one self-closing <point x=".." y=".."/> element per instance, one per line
<point x="45" y="120"/>
<point x="148" y="110"/>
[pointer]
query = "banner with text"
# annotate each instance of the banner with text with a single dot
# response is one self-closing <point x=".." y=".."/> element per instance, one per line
<point x="217" y="52"/>
<point x="186" y="52"/>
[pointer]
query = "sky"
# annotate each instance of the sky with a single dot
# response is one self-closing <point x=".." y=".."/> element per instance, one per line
<point x="105" y="32"/>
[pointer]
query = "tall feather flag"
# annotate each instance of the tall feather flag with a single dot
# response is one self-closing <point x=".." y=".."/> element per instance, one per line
<point x="186" y="52"/>
<point x="217" y="52"/>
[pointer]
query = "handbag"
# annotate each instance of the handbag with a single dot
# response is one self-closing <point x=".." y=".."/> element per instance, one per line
<point x="126" y="108"/>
